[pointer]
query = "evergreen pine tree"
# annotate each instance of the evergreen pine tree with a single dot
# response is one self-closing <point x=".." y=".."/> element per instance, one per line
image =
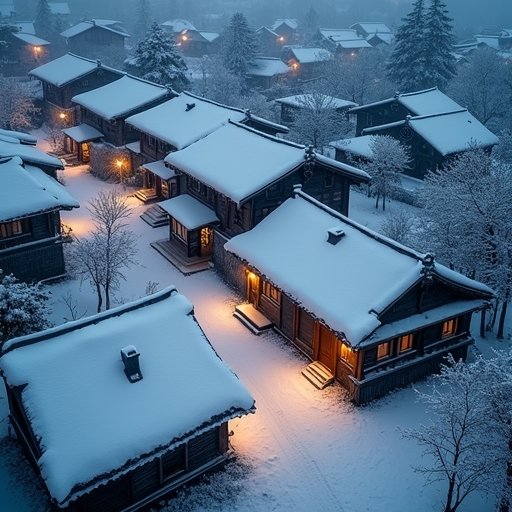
<point x="407" y="63"/>
<point x="440" y="62"/>
<point x="240" y="45"/>
<point x="44" y="22"/>
<point x="143" y="20"/>
<point x="310" y="25"/>
<point x="157" y="59"/>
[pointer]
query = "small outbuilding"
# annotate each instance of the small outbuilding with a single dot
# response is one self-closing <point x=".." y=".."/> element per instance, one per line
<point x="119" y="409"/>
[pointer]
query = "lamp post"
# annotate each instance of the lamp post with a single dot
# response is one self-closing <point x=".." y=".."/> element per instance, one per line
<point x="120" y="165"/>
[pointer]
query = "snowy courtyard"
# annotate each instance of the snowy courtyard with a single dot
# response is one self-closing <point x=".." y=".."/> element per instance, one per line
<point x="303" y="449"/>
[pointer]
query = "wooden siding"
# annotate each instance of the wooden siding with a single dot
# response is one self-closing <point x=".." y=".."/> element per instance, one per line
<point x="380" y="114"/>
<point x="94" y="42"/>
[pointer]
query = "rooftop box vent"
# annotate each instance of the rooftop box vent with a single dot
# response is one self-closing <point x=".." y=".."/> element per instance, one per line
<point x="189" y="106"/>
<point x="334" y="235"/>
<point x="130" y="356"/>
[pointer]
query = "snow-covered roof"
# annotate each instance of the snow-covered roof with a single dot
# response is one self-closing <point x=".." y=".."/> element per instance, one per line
<point x="110" y="25"/>
<point x="346" y="285"/>
<point x="209" y="36"/>
<point x="178" y="124"/>
<point x="239" y="162"/>
<point x="448" y="132"/>
<point x="29" y="154"/>
<point x="289" y="22"/>
<point x="304" y="100"/>
<point x="267" y="66"/>
<point x="91" y="421"/>
<point x="353" y="44"/>
<point x="121" y="97"/>
<point x="59" y="8"/>
<point x="309" y="55"/>
<point x="419" y="103"/>
<point x="189" y="212"/>
<point x="83" y="133"/>
<point x="160" y="169"/>
<point x="178" y="25"/>
<point x="31" y="39"/>
<point x="386" y="38"/>
<point x="491" y="41"/>
<point x="67" y="68"/>
<point x="27" y="27"/>
<point x="28" y="190"/>
<point x="339" y="34"/>
<point x="359" y="146"/>
<point x="266" y="29"/>
<point x="22" y="137"/>
<point x="372" y="27"/>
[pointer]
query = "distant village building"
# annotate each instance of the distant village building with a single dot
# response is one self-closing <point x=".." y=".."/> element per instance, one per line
<point x="216" y="201"/>
<point x="117" y="410"/>
<point x="31" y="235"/>
<point x="374" y="32"/>
<point x="196" y="43"/>
<point x="287" y="30"/>
<point x="7" y="10"/>
<point x="270" y="43"/>
<point x="97" y="38"/>
<point x="306" y="63"/>
<point x="176" y="26"/>
<point x="65" y="77"/>
<point x="105" y="110"/>
<point x="265" y="72"/>
<point x="341" y="41"/>
<point x="368" y="312"/>
<point x="21" y="52"/>
<point x="429" y="123"/>
<point x="175" y="125"/>
<point x="60" y="9"/>
<point x="290" y="105"/>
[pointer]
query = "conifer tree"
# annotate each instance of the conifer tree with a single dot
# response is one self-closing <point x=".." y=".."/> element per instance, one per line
<point x="143" y="20"/>
<point x="157" y="59"/>
<point x="44" y="22"/>
<point x="407" y="63"/>
<point x="240" y="45"/>
<point x="440" y="63"/>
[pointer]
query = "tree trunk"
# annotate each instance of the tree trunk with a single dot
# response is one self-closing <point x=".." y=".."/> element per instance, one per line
<point x="482" y="323"/>
<point x="383" y="202"/>
<point x="449" y="495"/>
<point x="377" y="200"/>
<point x="100" y="297"/>
<point x="494" y="314"/>
<point x="107" y="295"/>
<point x="501" y="325"/>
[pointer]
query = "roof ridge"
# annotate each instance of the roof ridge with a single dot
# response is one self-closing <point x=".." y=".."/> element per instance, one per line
<point x="437" y="114"/>
<point x="414" y="93"/>
<point x="213" y="102"/>
<point x="267" y="135"/>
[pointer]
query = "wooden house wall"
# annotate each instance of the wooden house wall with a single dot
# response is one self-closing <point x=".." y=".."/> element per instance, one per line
<point x="380" y="114"/>
<point x="185" y="461"/>
<point x="154" y="149"/>
<point x="17" y="58"/>
<point x="268" y="44"/>
<point x="94" y="41"/>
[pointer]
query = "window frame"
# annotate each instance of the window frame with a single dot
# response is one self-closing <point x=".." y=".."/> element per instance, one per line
<point x="269" y="291"/>
<point x="400" y="343"/>
<point x="179" y="230"/>
<point x="380" y="346"/>
<point x="449" y="327"/>
<point x="11" y="229"/>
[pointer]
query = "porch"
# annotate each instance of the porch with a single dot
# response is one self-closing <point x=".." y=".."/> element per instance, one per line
<point x="159" y="182"/>
<point x="176" y="253"/>
<point x="77" y="141"/>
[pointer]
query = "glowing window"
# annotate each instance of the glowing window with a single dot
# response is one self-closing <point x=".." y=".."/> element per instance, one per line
<point x="449" y="327"/>
<point x="383" y="350"/>
<point x="271" y="292"/>
<point x="405" y="343"/>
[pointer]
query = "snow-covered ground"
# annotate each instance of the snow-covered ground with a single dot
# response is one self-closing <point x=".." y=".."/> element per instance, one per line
<point x="303" y="449"/>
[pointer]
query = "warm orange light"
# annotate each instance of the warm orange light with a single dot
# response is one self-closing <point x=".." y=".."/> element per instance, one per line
<point x="295" y="65"/>
<point x="119" y="163"/>
<point x="37" y="49"/>
<point x="251" y="275"/>
<point x="280" y="39"/>
<point x="184" y="37"/>
<point x="62" y="115"/>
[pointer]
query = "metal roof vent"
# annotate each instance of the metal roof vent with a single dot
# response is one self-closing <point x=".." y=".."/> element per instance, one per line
<point x="189" y="106"/>
<point x="334" y="235"/>
<point x="130" y="356"/>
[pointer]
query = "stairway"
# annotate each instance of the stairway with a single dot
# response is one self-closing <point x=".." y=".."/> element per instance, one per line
<point x="155" y="216"/>
<point x="318" y="374"/>
<point x="146" y="195"/>
<point x="255" y="321"/>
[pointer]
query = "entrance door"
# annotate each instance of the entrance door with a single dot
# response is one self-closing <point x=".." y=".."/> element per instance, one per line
<point x="253" y="288"/>
<point x="327" y="348"/>
<point x="206" y="239"/>
<point x="85" y="152"/>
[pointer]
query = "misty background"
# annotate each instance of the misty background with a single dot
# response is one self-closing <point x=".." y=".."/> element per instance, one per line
<point x="470" y="16"/>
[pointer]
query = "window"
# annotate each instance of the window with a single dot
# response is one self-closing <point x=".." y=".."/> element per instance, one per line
<point x="85" y="83"/>
<point x="9" y="229"/>
<point x="151" y="141"/>
<point x="179" y="230"/>
<point x="405" y="343"/>
<point x="197" y="186"/>
<point x="163" y="146"/>
<point x="449" y="327"/>
<point x="347" y="354"/>
<point x="329" y="181"/>
<point x="173" y="463"/>
<point x="274" y="190"/>
<point x="271" y="292"/>
<point x="383" y="350"/>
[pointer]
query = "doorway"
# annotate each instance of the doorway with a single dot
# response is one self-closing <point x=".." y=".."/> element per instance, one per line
<point x="253" y="288"/>
<point x="327" y="348"/>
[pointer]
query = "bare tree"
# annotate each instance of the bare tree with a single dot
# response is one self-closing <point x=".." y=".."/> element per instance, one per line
<point x="389" y="159"/>
<point x="110" y="248"/>
<point x="17" y="110"/>
<point x="399" y="226"/>
<point x="463" y="448"/>
<point x="318" y="120"/>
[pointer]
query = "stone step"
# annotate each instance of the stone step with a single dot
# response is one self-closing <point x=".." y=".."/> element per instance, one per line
<point x="255" y="321"/>
<point x="155" y="217"/>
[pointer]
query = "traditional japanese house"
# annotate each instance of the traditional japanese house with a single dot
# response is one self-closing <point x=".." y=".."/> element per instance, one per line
<point x="419" y="103"/>
<point x="286" y="29"/>
<point x="107" y="411"/>
<point x="21" y="52"/>
<point x="176" y="26"/>
<point x="106" y="108"/>
<point x="290" y="105"/>
<point x="368" y="312"/>
<point x="433" y="140"/>
<point x="306" y="63"/>
<point x="30" y="230"/>
<point x="341" y="41"/>
<point x="270" y="43"/>
<point x="355" y="149"/>
<point x="265" y="72"/>
<point x="65" y="77"/>
<point x="97" y="38"/>
<point x="232" y="179"/>
<point x="172" y="126"/>
<point x="375" y="33"/>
